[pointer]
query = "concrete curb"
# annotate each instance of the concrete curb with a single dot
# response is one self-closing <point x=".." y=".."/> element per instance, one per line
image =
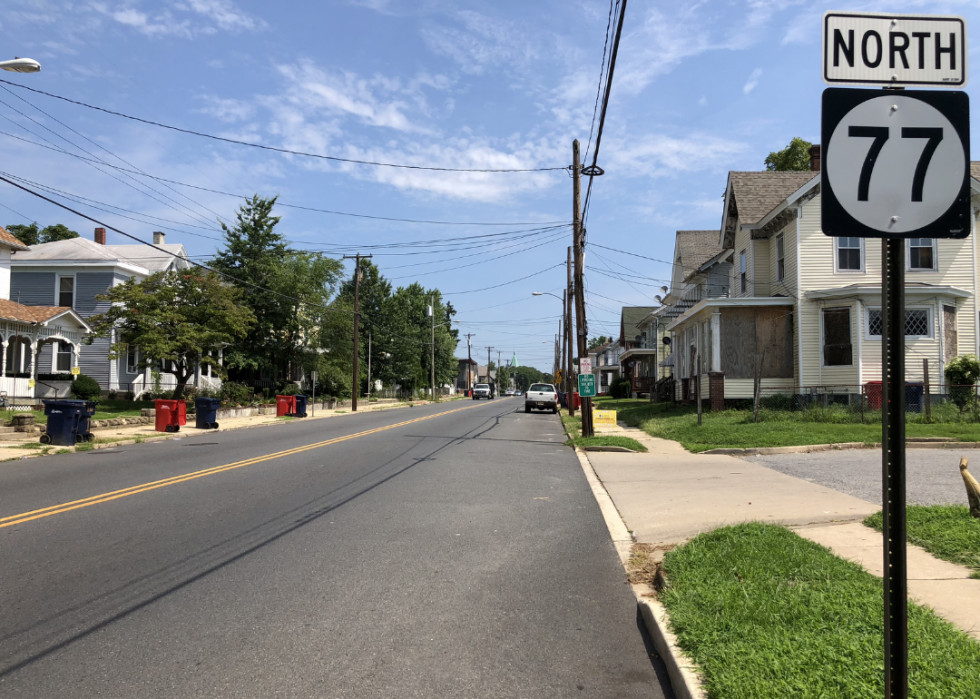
<point x="602" y="447"/>
<point x="682" y="671"/>
<point x="807" y="448"/>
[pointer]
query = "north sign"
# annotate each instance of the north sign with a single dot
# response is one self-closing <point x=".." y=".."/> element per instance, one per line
<point x="896" y="164"/>
<point x="877" y="49"/>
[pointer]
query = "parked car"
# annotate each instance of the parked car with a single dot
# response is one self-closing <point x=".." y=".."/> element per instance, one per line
<point x="541" y="396"/>
<point x="481" y="390"/>
<point x="510" y="392"/>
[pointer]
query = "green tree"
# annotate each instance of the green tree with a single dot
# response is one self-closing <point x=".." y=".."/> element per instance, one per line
<point x="598" y="341"/>
<point x="58" y="231"/>
<point x="176" y="319"/>
<point x="795" y="156"/>
<point x="961" y="374"/>
<point x="28" y="234"/>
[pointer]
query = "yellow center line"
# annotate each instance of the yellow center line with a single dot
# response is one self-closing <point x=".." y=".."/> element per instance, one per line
<point x="153" y="485"/>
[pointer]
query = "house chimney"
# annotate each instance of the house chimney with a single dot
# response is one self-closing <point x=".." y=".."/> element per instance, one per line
<point x="815" y="157"/>
<point x="159" y="238"/>
<point x="100" y="236"/>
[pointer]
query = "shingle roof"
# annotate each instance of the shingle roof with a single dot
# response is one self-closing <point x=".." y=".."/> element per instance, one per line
<point x="11" y="240"/>
<point x="758" y="193"/>
<point x="630" y="318"/>
<point x="85" y="250"/>
<point x="12" y="310"/>
<point x="695" y="248"/>
<point x="975" y="170"/>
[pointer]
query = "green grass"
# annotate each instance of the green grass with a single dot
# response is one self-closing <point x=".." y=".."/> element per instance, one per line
<point x="767" y="614"/>
<point x="573" y="429"/>
<point x="735" y="429"/>
<point x="946" y="531"/>
<point x="7" y="415"/>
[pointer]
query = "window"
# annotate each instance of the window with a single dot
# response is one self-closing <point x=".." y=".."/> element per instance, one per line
<point x="64" y="357"/>
<point x="780" y="259"/>
<point x="837" y="337"/>
<point x="132" y="359"/>
<point x="849" y="254"/>
<point x="66" y="291"/>
<point x="742" y="280"/>
<point x="921" y="254"/>
<point x="918" y="323"/>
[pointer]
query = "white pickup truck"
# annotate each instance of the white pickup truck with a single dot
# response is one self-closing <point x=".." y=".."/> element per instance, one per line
<point x="541" y="396"/>
<point x="481" y="390"/>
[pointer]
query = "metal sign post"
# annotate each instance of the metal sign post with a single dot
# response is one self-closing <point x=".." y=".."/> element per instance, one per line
<point x="896" y="166"/>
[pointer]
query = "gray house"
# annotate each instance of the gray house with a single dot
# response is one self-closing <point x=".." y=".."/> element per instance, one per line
<point x="71" y="273"/>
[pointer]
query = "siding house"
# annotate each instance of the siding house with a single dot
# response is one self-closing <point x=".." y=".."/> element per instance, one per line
<point x="605" y="364"/>
<point x="804" y="309"/>
<point x="70" y="274"/>
<point x="638" y="359"/>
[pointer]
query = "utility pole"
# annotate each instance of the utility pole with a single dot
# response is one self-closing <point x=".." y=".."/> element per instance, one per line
<point x="561" y="351"/>
<point x="469" y="358"/>
<point x="569" y="344"/>
<point x="432" y="355"/>
<point x="488" y="365"/>
<point x="497" y="381"/>
<point x="357" y="317"/>
<point x="579" y="250"/>
<point x="369" y="368"/>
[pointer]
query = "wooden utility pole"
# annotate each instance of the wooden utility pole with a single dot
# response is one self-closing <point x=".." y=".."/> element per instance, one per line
<point x="369" y="368"/>
<point x="469" y="357"/>
<point x="499" y="385"/>
<point x="432" y="354"/>
<point x="488" y="367"/>
<point x="357" y="317"/>
<point x="564" y="321"/>
<point x="569" y="342"/>
<point x="579" y="251"/>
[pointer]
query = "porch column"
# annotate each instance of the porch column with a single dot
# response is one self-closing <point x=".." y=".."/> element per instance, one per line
<point x="75" y="354"/>
<point x="3" y="358"/>
<point x="716" y="341"/>
<point x="113" y="366"/>
<point x="35" y="350"/>
<point x="197" y="372"/>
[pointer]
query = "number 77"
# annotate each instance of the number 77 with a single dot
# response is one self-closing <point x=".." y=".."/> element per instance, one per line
<point x="880" y="135"/>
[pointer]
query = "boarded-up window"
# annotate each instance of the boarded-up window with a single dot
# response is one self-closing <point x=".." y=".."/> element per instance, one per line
<point x="950" y="348"/>
<point x="748" y="333"/>
<point x="837" y="337"/>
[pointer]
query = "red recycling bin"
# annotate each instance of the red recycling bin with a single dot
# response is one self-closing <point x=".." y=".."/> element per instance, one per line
<point x="576" y="401"/>
<point x="872" y="389"/>
<point x="168" y="415"/>
<point x="285" y="406"/>
<point x="181" y="412"/>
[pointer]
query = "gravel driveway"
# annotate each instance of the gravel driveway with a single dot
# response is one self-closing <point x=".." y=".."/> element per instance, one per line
<point x="933" y="475"/>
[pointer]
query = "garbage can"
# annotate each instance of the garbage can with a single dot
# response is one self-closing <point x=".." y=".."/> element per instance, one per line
<point x="576" y="400"/>
<point x="207" y="413"/>
<point x="168" y="415"/>
<point x="913" y="396"/>
<point x="300" y="408"/>
<point x="84" y="429"/>
<point x="872" y="390"/>
<point x="182" y="412"/>
<point x="285" y="406"/>
<point x="63" y="416"/>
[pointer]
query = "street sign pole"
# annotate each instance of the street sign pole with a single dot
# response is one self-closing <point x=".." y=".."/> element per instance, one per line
<point x="893" y="468"/>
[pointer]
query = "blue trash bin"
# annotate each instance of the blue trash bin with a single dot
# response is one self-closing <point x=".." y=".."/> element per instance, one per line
<point x="63" y="419"/>
<point x="301" y="402"/>
<point x="207" y="412"/>
<point x="913" y="396"/>
<point x="85" y="414"/>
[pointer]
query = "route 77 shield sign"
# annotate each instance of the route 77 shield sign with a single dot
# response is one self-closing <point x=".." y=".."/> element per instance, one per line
<point x="895" y="164"/>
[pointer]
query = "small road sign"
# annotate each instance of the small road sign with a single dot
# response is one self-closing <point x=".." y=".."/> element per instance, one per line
<point x="606" y="418"/>
<point x="586" y="385"/>
<point x="861" y="48"/>
<point x="896" y="164"/>
<point x="585" y="366"/>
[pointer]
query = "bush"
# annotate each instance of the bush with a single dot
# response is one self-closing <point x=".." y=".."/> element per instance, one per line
<point x="961" y="374"/>
<point x="291" y="389"/>
<point x="621" y="388"/>
<point x="84" y="387"/>
<point x="236" y="393"/>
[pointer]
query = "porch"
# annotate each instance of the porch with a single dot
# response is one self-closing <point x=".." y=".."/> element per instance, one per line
<point x="640" y="367"/>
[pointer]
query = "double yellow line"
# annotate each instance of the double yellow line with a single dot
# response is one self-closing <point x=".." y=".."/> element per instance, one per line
<point x="144" y="487"/>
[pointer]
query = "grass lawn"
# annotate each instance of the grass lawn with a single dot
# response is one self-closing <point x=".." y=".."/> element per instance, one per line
<point x="735" y="429"/>
<point x="573" y="429"/>
<point x="765" y="613"/>
<point x="946" y="531"/>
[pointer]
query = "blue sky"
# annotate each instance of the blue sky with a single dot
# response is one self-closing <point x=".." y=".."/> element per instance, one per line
<point x="700" y="89"/>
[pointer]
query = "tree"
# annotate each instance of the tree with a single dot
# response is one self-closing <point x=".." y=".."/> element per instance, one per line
<point x="178" y="320"/>
<point x="58" y="231"/>
<point x="28" y="234"/>
<point x="961" y="376"/>
<point x="795" y="156"/>
<point x="288" y="291"/>
<point x="598" y="341"/>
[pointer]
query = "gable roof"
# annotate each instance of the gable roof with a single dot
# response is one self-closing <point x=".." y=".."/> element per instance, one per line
<point x="84" y="250"/>
<point x="11" y="310"/>
<point x="11" y="240"/>
<point x="602" y="348"/>
<point x="758" y="193"/>
<point x="694" y="248"/>
<point x="630" y="319"/>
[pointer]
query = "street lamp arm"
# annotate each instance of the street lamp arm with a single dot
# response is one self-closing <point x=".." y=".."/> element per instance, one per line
<point x="21" y="65"/>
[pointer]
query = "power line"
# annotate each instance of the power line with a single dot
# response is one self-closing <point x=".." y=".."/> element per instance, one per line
<point x="497" y="286"/>
<point x="280" y="203"/>
<point x="602" y="73"/>
<point x="281" y="150"/>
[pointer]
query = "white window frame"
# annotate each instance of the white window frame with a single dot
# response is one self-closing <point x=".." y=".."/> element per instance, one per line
<point x="837" y="269"/>
<point x="57" y="288"/>
<point x="935" y="257"/>
<point x="55" y="368"/>
<point x="133" y="368"/>
<point x="930" y="313"/>
<point x="780" y="246"/>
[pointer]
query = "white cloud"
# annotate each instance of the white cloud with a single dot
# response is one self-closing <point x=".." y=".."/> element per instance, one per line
<point x="479" y="42"/>
<point x="703" y="101"/>
<point x="752" y="81"/>
<point x="229" y="110"/>
<point x="656" y="155"/>
<point x="223" y="13"/>
<point x="200" y="18"/>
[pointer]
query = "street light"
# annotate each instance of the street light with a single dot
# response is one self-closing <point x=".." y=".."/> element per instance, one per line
<point x="21" y="65"/>
<point x="546" y="293"/>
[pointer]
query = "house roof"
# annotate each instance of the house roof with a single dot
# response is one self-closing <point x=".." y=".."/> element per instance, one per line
<point x="975" y="170"/>
<point x="11" y="240"/>
<point x="84" y="250"/>
<point x="630" y="319"/>
<point x="758" y="193"/>
<point x="601" y="348"/>
<point x="464" y="360"/>
<point x="694" y="248"/>
<point x="11" y="310"/>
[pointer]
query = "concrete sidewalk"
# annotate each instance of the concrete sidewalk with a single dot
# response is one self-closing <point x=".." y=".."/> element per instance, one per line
<point x="669" y="495"/>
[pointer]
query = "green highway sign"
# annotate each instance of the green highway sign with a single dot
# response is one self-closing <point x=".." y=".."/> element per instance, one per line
<point x="586" y="385"/>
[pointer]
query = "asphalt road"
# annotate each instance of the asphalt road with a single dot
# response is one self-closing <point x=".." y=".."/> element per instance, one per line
<point x="932" y="475"/>
<point x="459" y="555"/>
